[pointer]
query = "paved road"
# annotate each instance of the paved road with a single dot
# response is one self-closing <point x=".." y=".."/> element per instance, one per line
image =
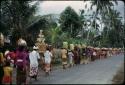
<point x="97" y="72"/>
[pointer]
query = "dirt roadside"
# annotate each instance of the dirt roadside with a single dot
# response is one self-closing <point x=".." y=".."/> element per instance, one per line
<point x="119" y="77"/>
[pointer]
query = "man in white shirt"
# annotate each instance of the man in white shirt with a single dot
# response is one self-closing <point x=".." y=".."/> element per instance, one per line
<point x="34" y="57"/>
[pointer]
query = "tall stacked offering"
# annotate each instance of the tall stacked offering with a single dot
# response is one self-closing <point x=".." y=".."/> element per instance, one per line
<point x="41" y="42"/>
<point x="65" y="45"/>
<point x="71" y="46"/>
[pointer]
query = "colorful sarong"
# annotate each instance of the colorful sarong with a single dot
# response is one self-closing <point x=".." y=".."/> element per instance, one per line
<point x="47" y="67"/>
<point x="33" y="71"/>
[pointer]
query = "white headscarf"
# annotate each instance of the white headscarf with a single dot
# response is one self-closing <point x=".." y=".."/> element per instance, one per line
<point x="35" y="47"/>
<point x="22" y="42"/>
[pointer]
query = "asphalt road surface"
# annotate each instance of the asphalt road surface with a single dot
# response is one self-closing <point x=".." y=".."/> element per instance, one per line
<point x="97" y="72"/>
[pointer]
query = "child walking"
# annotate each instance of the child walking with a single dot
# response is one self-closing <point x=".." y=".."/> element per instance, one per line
<point x="7" y="78"/>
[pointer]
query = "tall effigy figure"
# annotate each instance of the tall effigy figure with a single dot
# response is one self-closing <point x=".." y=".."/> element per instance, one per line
<point x="41" y="42"/>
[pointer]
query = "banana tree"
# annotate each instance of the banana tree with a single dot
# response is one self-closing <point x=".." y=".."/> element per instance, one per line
<point x="53" y="34"/>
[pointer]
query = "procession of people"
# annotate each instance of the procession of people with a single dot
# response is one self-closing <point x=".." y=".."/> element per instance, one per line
<point x="27" y="62"/>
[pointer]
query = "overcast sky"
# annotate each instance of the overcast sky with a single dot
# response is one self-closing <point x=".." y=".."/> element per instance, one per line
<point x="56" y="7"/>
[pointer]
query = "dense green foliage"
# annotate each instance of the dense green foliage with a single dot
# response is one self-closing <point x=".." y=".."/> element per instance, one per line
<point x="16" y="15"/>
<point x="70" y="21"/>
<point x="18" y="20"/>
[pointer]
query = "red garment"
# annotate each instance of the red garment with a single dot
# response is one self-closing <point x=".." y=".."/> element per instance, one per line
<point x="75" y="57"/>
<point x="12" y="55"/>
<point x="7" y="80"/>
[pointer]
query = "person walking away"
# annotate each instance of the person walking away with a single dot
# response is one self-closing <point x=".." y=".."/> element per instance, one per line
<point x="52" y="50"/>
<point x="108" y="53"/>
<point x="1" y="67"/>
<point x="34" y="57"/>
<point x="70" y="55"/>
<point x="21" y="65"/>
<point x="75" y="52"/>
<point x="94" y="55"/>
<point x="47" y="59"/>
<point x="87" y="55"/>
<point x="83" y="55"/>
<point x="7" y="78"/>
<point x="90" y="53"/>
<point x="79" y="55"/>
<point x="64" y="57"/>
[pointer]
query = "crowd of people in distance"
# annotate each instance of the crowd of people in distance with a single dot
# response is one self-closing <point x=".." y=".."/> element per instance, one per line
<point x="86" y="54"/>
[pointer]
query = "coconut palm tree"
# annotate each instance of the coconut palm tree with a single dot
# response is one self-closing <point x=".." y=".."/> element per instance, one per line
<point x="53" y="33"/>
<point x="103" y="6"/>
<point x="113" y="26"/>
